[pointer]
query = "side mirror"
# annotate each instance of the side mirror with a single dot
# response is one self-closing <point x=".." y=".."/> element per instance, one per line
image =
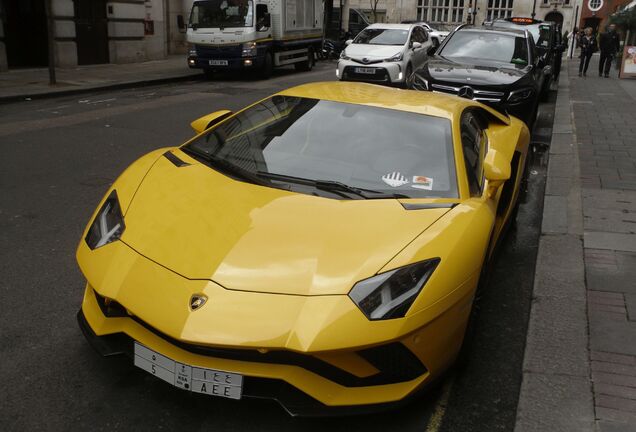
<point x="416" y="45"/>
<point x="207" y="121"/>
<point x="496" y="170"/>
<point x="547" y="71"/>
<point x="349" y="42"/>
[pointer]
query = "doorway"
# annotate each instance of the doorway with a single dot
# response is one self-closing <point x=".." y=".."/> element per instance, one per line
<point x="25" y="32"/>
<point x="555" y="17"/>
<point x="91" y="31"/>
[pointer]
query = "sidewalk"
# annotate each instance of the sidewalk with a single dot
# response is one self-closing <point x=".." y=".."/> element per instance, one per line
<point x="579" y="371"/>
<point x="20" y="84"/>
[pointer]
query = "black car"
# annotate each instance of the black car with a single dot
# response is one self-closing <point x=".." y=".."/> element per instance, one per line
<point x="487" y="64"/>
<point x="547" y="38"/>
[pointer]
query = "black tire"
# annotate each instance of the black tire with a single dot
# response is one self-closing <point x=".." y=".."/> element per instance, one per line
<point x="307" y="65"/>
<point x="545" y="91"/>
<point x="268" y="67"/>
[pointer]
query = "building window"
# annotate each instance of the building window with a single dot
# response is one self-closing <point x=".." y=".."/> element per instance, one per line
<point x="441" y="11"/>
<point x="499" y="9"/>
<point x="422" y="10"/>
<point x="594" y="5"/>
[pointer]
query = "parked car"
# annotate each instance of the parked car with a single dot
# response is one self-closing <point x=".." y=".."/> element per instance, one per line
<point x="436" y="34"/>
<point x="495" y="66"/>
<point x="322" y="247"/>
<point x="547" y="39"/>
<point x="384" y="53"/>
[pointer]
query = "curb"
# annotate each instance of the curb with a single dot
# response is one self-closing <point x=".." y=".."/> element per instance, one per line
<point x="98" y="88"/>
<point x="556" y="390"/>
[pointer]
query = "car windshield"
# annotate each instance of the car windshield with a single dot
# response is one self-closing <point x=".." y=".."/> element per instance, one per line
<point x="379" y="36"/>
<point x="501" y="47"/>
<point x="286" y="139"/>
<point x="221" y="14"/>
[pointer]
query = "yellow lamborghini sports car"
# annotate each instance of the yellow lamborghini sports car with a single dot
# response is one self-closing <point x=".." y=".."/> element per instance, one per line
<point x="321" y="247"/>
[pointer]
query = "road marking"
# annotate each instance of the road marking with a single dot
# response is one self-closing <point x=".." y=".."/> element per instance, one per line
<point x="435" y="422"/>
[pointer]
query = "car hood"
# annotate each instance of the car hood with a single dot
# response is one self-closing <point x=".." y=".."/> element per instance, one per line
<point x="473" y="71"/>
<point x="204" y="225"/>
<point x="375" y="52"/>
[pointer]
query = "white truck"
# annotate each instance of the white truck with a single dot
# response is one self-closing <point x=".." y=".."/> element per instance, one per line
<point x="230" y="35"/>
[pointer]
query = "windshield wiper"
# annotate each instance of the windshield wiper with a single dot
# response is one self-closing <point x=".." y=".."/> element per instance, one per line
<point x="226" y="167"/>
<point x="333" y="186"/>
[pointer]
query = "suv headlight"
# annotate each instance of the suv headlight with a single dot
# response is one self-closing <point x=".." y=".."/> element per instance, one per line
<point x="108" y="225"/>
<point x="391" y="294"/>
<point x="249" y="49"/>
<point x="396" y="58"/>
<point x="520" y="95"/>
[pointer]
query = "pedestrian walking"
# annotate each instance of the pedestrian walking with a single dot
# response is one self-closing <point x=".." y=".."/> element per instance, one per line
<point x="588" y="47"/>
<point x="610" y="44"/>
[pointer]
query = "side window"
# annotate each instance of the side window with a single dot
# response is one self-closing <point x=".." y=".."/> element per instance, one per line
<point x="423" y="34"/>
<point x="474" y="146"/>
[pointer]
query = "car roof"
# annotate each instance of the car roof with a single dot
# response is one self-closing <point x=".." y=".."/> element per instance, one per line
<point x="391" y="26"/>
<point x="419" y="102"/>
<point x="495" y="29"/>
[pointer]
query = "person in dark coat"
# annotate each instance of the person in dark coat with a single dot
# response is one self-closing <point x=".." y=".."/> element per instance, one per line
<point x="610" y="44"/>
<point x="588" y="47"/>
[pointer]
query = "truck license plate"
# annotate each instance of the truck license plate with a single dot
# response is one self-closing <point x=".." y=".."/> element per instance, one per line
<point x="363" y="70"/>
<point x="218" y="62"/>
<point x="190" y="378"/>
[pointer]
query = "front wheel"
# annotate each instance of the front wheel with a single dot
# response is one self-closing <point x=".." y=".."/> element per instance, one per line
<point x="268" y="66"/>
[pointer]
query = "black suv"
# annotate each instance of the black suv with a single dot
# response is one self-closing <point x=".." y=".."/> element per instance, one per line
<point x="487" y="64"/>
<point x="547" y="38"/>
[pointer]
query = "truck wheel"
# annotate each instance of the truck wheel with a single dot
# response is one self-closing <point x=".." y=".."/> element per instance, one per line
<point x="268" y="67"/>
<point x="306" y="66"/>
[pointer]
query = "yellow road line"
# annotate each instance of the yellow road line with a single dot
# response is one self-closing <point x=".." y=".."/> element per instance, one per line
<point x="435" y="422"/>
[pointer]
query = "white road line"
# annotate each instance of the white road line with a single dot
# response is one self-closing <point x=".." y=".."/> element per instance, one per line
<point x="435" y="422"/>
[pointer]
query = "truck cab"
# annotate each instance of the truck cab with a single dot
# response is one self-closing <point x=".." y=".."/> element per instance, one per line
<point x="232" y="35"/>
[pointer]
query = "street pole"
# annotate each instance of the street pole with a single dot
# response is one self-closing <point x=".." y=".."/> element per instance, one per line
<point x="475" y="13"/>
<point x="51" y="39"/>
<point x="534" y="8"/>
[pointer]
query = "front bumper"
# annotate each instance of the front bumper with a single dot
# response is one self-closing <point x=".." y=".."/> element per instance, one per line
<point x="346" y="375"/>
<point x="385" y="72"/>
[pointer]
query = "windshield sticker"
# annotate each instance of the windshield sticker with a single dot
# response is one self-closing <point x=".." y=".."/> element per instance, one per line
<point x="395" y="179"/>
<point x="421" y="182"/>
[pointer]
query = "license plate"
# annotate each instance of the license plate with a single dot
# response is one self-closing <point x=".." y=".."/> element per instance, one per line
<point x="189" y="378"/>
<point x="362" y="70"/>
<point x="218" y="62"/>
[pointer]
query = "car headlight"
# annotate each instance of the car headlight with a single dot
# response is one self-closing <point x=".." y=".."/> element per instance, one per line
<point x="520" y="95"/>
<point x="391" y="294"/>
<point x="418" y="83"/>
<point x="396" y="58"/>
<point x="108" y="225"/>
<point x="344" y="56"/>
<point x="249" y="49"/>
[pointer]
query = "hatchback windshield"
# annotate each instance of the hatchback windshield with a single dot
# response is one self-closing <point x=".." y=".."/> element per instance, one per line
<point x="302" y="143"/>
<point x="500" y="47"/>
<point x="221" y="13"/>
<point x="378" y="36"/>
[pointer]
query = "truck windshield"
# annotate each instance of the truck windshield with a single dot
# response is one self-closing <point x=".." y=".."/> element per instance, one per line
<point x="221" y="14"/>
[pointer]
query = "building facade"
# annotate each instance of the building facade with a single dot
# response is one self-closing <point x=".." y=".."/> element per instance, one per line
<point x="85" y="31"/>
<point x="456" y="12"/>
<point x="595" y="13"/>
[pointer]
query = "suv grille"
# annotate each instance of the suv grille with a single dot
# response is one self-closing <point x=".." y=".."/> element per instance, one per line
<point x="478" y="95"/>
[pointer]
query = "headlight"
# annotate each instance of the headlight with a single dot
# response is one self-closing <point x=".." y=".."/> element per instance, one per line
<point x="396" y="58"/>
<point x="249" y="49"/>
<point x="520" y="95"/>
<point x="391" y="294"/>
<point x="344" y="56"/>
<point x="108" y="224"/>
<point x="418" y="83"/>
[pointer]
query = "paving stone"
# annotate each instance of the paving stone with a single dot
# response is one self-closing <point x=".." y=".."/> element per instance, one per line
<point x="630" y="303"/>
<point x="615" y="368"/>
<point x="615" y="390"/>
<point x="613" y="336"/>
<point x="611" y="378"/>
<point x="611" y="426"/>
<point x="555" y="214"/>
<point x="613" y="358"/>
<point x="604" y="413"/>
<point x="617" y="403"/>
<point x="610" y="240"/>
<point x="559" y="268"/>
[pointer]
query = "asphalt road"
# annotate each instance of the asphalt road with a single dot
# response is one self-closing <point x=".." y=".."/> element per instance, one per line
<point x="58" y="158"/>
